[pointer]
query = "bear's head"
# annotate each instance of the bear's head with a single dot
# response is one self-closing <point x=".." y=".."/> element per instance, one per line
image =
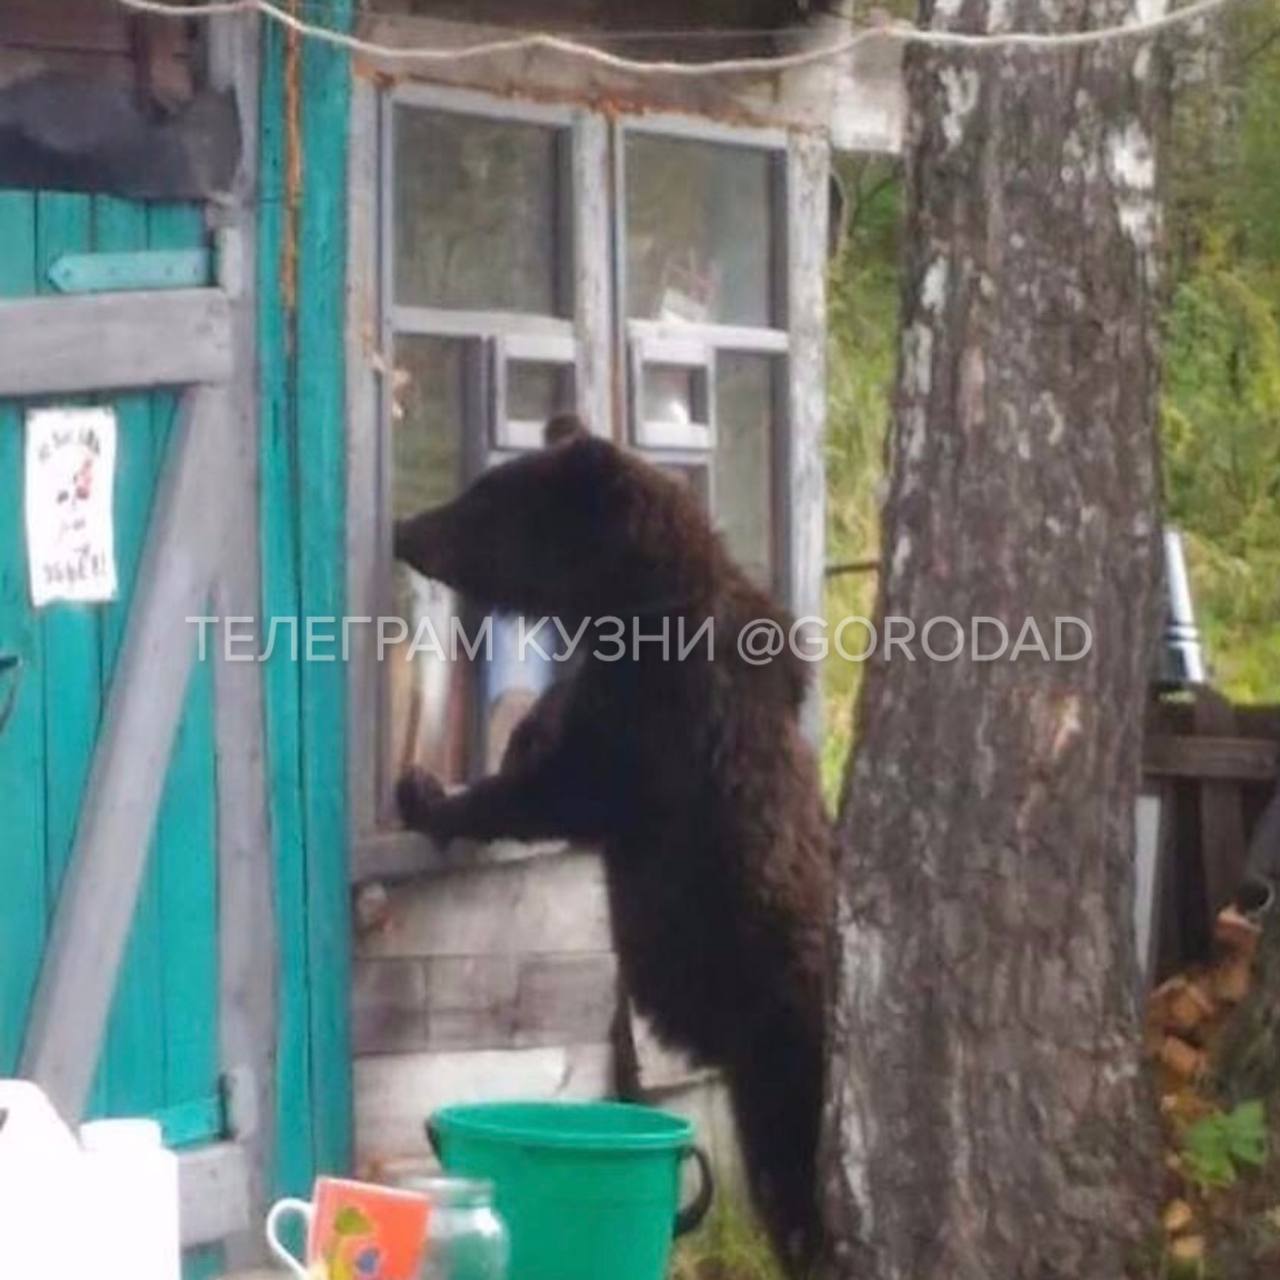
<point x="577" y="529"/>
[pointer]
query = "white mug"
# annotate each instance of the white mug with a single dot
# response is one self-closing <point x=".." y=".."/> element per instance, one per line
<point x="352" y="1220"/>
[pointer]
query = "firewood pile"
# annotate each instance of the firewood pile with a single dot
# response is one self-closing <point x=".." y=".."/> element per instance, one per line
<point x="1186" y="1018"/>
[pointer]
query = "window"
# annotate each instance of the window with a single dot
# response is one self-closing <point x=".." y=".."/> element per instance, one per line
<point x="704" y="299"/>
<point x="478" y="313"/>
<point x="699" y="230"/>
<point x="535" y="258"/>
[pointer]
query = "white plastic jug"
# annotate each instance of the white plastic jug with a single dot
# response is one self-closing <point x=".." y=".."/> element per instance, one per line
<point x="131" y="1183"/>
<point x="43" y="1196"/>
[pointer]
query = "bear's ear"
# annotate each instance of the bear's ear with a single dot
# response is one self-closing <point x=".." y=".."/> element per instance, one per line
<point x="564" y="427"/>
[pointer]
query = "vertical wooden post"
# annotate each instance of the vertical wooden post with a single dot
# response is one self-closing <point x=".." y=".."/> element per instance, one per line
<point x="303" y="545"/>
<point x="808" y="177"/>
<point x="322" y="511"/>
<point x="1222" y="845"/>
<point x="248" y="979"/>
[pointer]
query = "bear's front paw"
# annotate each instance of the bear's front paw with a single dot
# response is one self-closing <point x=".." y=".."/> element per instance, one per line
<point x="419" y="795"/>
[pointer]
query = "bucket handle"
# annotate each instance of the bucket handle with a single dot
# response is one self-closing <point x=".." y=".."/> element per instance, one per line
<point x="692" y="1214"/>
<point x="687" y="1219"/>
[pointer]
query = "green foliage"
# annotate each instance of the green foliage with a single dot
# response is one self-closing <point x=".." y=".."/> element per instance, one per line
<point x="730" y="1245"/>
<point x="1214" y="1148"/>
<point x="1221" y="411"/>
<point x="862" y="353"/>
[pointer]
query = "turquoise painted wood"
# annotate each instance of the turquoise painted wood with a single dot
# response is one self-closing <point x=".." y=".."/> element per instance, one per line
<point x="190" y="1123"/>
<point x="72" y="653"/>
<point x="322" y="489"/>
<point x="160" y="1053"/>
<point x="119" y="270"/>
<point x="295" y="1148"/>
<point x="304" y="571"/>
<point x="23" y="905"/>
<point x="129" y="1075"/>
<point x="185" y="846"/>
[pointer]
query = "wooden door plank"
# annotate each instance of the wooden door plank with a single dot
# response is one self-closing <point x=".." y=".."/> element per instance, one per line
<point x="22" y="795"/>
<point x="295" y="1160"/>
<point x="66" y="345"/>
<point x="186" y="844"/>
<point x="248" y="965"/>
<point x="72" y="653"/>
<point x="130" y="1072"/>
<point x="321" y="496"/>
<point x="93" y="914"/>
<point x="1222" y="844"/>
<point x="185" y="840"/>
<point x="212" y="1190"/>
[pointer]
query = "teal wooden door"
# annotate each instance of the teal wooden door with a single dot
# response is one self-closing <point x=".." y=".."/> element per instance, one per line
<point x="160" y="1055"/>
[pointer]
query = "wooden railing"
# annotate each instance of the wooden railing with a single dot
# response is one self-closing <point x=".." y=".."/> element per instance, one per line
<point x="1215" y="768"/>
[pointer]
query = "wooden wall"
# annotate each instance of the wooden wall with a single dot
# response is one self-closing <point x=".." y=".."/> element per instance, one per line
<point x="1217" y="768"/>
<point x="301" y="265"/>
<point x="497" y="978"/>
<point x="857" y="100"/>
<point x="481" y="983"/>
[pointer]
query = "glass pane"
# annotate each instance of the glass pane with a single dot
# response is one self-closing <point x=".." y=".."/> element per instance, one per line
<point x="427" y="422"/>
<point x="475" y="212"/>
<point x="671" y="394"/>
<point x="744" y="460"/>
<point x="429" y="696"/>
<point x="536" y="391"/>
<point x="699" y="231"/>
<point x="514" y="677"/>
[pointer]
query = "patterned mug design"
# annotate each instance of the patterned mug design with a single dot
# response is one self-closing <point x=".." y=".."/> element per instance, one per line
<point x="354" y="1231"/>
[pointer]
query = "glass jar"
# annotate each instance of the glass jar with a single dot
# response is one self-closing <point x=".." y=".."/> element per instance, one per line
<point x="466" y="1239"/>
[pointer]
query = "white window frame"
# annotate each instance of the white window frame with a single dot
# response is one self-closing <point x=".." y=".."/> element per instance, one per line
<point x="602" y="340"/>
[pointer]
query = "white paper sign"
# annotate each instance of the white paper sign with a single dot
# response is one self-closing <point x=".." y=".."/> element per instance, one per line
<point x="70" y="474"/>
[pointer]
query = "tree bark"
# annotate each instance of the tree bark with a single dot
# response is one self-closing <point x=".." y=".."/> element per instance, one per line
<point x="987" y="1116"/>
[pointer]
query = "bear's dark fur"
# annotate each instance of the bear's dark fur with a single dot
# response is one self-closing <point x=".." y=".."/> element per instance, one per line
<point x="691" y="774"/>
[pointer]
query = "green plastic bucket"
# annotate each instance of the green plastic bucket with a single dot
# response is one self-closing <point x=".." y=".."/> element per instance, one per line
<point x="589" y="1190"/>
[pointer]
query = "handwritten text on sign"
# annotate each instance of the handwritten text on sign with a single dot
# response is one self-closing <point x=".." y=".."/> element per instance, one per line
<point x="70" y="471"/>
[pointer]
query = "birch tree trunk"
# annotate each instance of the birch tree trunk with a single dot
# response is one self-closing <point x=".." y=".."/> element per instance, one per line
<point x="987" y="1117"/>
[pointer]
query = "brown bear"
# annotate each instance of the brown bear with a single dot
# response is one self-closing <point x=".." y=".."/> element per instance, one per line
<point x="688" y="769"/>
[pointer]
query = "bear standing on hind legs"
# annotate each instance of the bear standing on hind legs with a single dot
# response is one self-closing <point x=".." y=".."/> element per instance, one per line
<point x="689" y="770"/>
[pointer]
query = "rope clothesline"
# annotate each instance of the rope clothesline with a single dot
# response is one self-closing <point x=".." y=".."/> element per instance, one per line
<point x="529" y="42"/>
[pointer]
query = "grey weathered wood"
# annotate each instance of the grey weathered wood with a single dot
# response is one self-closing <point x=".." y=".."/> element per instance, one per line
<point x="861" y="96"/>
<point x="1210" y="756"/>
<point x="96" y="904"/>
<point x="394" y="854"/>
<point x="168" y="337"/>
<point x="804" y="502"/>
<point x="447" y="323"/>
<point x="213" y="1193"/>
<point x="365" y="596"/>
<point x="471" y="1002"/>
<point x="394" y="1093"/>
<point x="570" y="999"/>
<point x="731" y="337"/>
<point x="247" y="950"/>
<point x="504" y="1001"/>
<point x="593" y="273"/>
<point x="388" y="1006"/>
<point x="552" y="904"/>
<point x="1222" y="838"/>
